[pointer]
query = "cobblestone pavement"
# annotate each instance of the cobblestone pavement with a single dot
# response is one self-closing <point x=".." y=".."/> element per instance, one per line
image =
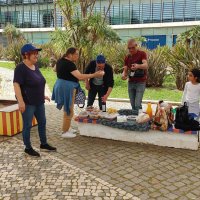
<point x="145" y="171"/>
<point x="92" y="168"/>
<point x="49" y="178"/>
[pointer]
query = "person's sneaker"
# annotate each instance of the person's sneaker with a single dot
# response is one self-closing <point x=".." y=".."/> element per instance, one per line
<point x="68" y="134"/>
<point x="72" y="130"/>
<point x="32" y="152"/>
<point x="47" y="147"/>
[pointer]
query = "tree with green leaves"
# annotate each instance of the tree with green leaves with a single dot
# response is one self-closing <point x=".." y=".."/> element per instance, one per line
<point x="15" y="40"/>
<point x="185" y="55"/>
<point x="12" y="34"/>
<point x="190" y="37"/>
<point x="83" y="30"/>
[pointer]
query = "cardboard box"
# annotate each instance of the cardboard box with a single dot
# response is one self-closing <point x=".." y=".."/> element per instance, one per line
<point x="11" y="120"/>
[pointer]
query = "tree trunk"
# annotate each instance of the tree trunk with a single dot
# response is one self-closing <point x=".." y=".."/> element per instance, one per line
<point x="180" y="83"/>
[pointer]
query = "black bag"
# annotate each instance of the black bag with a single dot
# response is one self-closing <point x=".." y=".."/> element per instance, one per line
<point x="191" y="125"/>
<point x="139" y="73"/>
<point x="80" y="98"/>
<point x="182" y="120"/>
<point x="182" y="114"/>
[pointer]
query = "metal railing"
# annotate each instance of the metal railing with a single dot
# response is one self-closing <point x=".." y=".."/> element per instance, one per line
<point x="40" y="13"/>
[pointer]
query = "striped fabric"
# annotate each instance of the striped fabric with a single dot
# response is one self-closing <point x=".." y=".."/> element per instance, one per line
<point x="86" y="120"/>
<point x="11" y="123"/>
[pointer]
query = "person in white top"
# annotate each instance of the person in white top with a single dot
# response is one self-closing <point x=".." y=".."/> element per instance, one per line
<point x="191" y="94"/>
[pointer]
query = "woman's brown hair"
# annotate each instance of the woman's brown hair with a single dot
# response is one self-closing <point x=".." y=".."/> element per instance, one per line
<point x="26" y="55"/>
<point x="71" y="50"/>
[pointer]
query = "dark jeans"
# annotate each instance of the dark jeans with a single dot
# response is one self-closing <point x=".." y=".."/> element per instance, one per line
<point x="94" y="90"/>
<point x="27" y="115"/>
<point x="136" y="91"/>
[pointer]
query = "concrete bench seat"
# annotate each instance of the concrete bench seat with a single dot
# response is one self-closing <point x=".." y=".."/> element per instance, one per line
<point x="172" y="138"/>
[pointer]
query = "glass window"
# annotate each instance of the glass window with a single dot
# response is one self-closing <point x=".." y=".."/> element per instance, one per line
<point x="190" y="13"/>
<point x="179" y="10"/>
<point x="167" y="15"/>
<point x="156" y="12"/>
<point x="146" y="13"/>
<point x="135" y="14"/>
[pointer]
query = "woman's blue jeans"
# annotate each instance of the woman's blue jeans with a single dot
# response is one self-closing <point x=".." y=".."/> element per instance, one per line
<point x="136" y="91"/>
<point x="27" y="115"/>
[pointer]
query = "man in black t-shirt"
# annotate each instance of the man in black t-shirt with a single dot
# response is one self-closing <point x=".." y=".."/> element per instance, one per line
<point x="103" y="86"/>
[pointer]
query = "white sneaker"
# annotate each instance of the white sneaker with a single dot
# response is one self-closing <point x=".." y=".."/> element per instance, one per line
<point x="68" y="134"/>
<point x="72" y="130"/>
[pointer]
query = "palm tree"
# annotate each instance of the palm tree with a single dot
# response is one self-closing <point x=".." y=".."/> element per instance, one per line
<point x="85" y="31"/>
<point x="185" y="55"/>
<point x="12" y="34"/>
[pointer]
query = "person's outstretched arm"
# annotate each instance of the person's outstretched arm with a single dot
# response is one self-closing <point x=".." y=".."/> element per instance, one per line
<point x="80" y="76"/>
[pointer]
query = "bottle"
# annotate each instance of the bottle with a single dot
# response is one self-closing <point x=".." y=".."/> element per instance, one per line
<point x="174" y="113"/>
<point x="103" y="106"/>
<point x="149" y="110"/>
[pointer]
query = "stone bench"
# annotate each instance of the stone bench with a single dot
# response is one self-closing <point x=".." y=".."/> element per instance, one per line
<point x="171" y="138"/>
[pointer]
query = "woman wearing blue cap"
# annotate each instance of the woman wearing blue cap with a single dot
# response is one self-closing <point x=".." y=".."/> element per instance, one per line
<point x="29" y="86"/>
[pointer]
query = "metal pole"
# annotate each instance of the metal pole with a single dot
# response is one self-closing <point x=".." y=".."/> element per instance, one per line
<point x="129" y="5"/>
<point x="161" y="13"/>
<point x="151" y="11"/>
<point x="173" y="10"/>
<point x="119" y="12"/>
<point x="55" y="15"/>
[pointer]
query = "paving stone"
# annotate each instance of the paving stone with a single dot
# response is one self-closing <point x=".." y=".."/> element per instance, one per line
<point x="171" y="196"/>
<point x="81" y="163"/>
<point x="192" y="196"/>
<point x="43" y="165"/>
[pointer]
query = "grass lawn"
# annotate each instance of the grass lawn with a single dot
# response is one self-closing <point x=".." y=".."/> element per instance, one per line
<point x="167" y="92"/>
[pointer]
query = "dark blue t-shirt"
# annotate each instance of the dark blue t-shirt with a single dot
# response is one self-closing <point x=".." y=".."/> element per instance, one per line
<point x="32" y="84"/>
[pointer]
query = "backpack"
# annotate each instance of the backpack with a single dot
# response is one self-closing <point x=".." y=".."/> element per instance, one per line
<point x="182" y="114"/>
<point x="182" y="120"/>
<point x="80" y="97"/>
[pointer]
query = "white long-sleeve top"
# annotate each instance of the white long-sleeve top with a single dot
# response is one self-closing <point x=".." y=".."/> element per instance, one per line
<point x="191" y="95"/>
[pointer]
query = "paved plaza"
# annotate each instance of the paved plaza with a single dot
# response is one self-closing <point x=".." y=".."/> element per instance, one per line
<point x="95" y="169"/>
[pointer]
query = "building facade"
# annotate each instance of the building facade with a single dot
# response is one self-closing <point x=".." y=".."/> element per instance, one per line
<point x="160" y="21"/>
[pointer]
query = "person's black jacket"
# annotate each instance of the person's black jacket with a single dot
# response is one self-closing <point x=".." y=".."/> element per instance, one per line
<point x="108" y="76"/>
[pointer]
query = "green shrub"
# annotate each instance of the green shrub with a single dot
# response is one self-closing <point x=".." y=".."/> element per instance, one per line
<point x="157" y="62"/>
<point x="44" y="62"/>
<point x="183" y="58"/>
<point x="13" y="51"/>
<point x="15" y="40"/>
<point x="50" y="54"/>
<point x="1" y="51"/>
<point x="114" y="53"/>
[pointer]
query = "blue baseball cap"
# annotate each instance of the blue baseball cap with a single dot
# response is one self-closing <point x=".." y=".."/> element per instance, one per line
<point x="29" y="47"/>
<point x="100" y="59"/>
